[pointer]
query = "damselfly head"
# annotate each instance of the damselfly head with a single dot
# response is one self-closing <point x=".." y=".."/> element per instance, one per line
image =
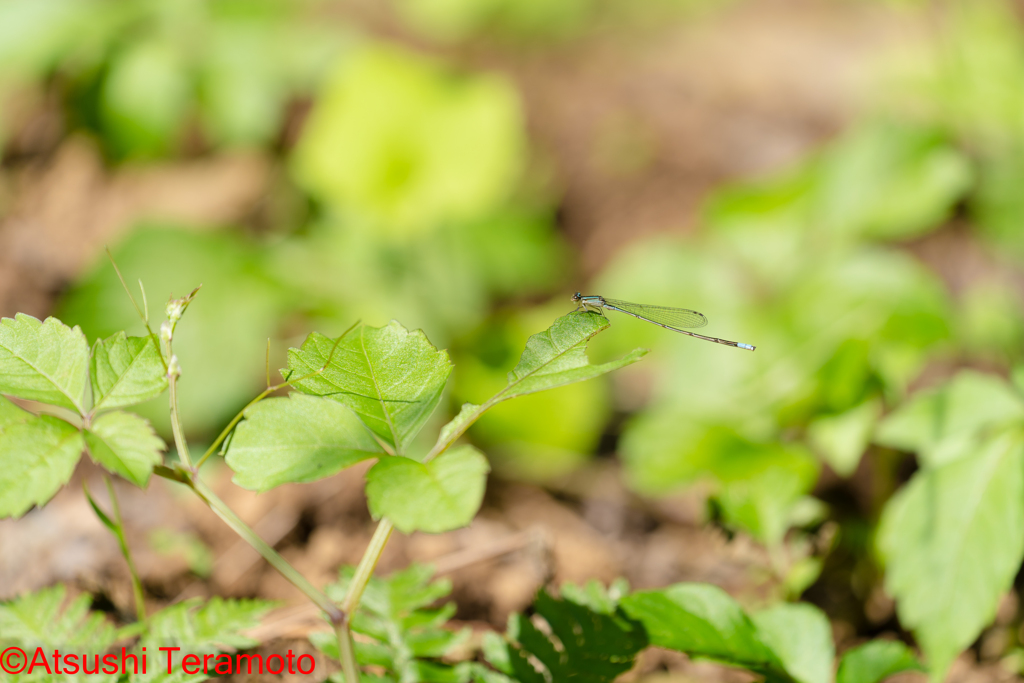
<point x="576" y="297"/>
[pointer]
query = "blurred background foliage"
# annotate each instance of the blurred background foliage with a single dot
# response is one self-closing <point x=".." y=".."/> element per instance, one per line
<point x="880" y="276"/>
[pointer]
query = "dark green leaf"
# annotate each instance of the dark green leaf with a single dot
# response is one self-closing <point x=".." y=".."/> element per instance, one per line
<point x="125" y="371"/>
<point x="438" y="496"/>
<point x="297" y="439"/>
<point x="43" y="361"/>
<point x="125" y="444"/>
<point x="592" y="646"/>
<point x="391" y="377"/>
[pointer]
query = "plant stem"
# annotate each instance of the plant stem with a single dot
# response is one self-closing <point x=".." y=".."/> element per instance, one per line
<point x="383" y="532"/>
<point x="266" y="392"/>
<point x="231" y="425"/>
<point x="366" y="565"/>
<point x="179" y="436"/>
<point x="221" y="509"/>
<point x="140" y="602"/>
<point x="347" y="650"/>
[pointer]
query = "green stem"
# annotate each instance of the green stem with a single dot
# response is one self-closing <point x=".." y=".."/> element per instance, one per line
<point x="221" y="509"/>
<point x="140" y="602"/>
<point x="444" y="444"/>
<point x="373" y="552"/>
<point x="266" y="392"/>
<point x="366" y="566"/>
<point x="347" y="650"/>
<point x="179" y="436"/>
<point x="231" y="425"/>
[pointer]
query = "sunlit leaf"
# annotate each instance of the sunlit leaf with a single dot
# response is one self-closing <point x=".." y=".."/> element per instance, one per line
<point x="410" y="145"/>
<point x="38" y="454"/>
<point x="46" y="619"/>
<point x="43" y="361"/>
<point x="875" y="661"/>
<point x="701" y="620"/>
<point x="438" y="496"/>
<point x="391" y="377"/>
<point x="890" y="181"/>
<point x="756" y="484"/>
<point x="841" y="439"/>
<point x="953" y="540"/>
<point x="221" y="344"/>
<point x="801" y="637"/>
<point x="406" y="636"/>
<point x="199" y="627"/>
<point x="535" y="437"/>
<point x="297" y="439"/>
<point x="943" y="424"/>
<point x="125" y="444"/>
<point x="125" y="371"/>
<point x="558" y="356"/>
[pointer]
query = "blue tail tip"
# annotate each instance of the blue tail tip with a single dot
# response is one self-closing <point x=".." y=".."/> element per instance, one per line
<point x="748" y="347"/>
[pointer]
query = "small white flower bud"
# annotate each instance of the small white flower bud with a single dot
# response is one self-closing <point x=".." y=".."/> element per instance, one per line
<point x="174" y="310"/>
<point x="173" y="368"/>
<point x="165" y="332"/>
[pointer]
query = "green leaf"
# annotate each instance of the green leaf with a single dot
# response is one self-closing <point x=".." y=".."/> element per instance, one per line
<point x="438" y="496"/>
<point x="409" y="144"/>
<point x="701" y="620"/>
<point x="144" y="98"/>
<point x="943" y="424"/>
<point x="407" y="636"/>
<point x="103" y="517"/>
<point x="43" y="361"/>
<point x="890" y="181"/>
<point x="595" y="646"/>
<point x="36" y="619"/>
<point x="46" y="619"/>
<point x="841" y="439"/>
<point x="875" y="661"/>
<point x="558" y="356"/>
<point x="125" y="444"/>
<point x="11" y="414"/>
<point x="125" y="371"/>
<point x="953" y="540"/>
<point x="458" y="424"/>
<point x="39" y="454"/>
<point x="221" y="345"/>
<point x="199" y="627"/>
<point x="297" y="439"/>
<point x="758" y="485"/>
<point x="801" y="637"/>
<point x="197" y="555"/>
<point x="391" y="377"/>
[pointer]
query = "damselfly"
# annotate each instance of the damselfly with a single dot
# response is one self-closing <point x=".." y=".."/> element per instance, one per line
<point x="670" y="318"/>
